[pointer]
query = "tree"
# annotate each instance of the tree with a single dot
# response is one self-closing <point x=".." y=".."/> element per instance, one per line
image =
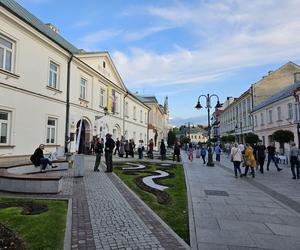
<point x="283" y="136"/>
<point x="251" y="138"/>
<point x="224" y="139"/>
<point x="230" y="138"/>
<point x="171" y="137"/>
<point x="184" y="140"/>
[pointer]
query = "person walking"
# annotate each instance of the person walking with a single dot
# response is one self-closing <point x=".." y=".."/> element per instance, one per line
<point x="236" y="158"/>
<point x="203" y="154"/>
<point x="98" y="149"/>
<point x="294" y="153"/>
<point x="163" y="150"/>
<point x="141" y="149"/>
<point x="261" y="155"/>
<point x="122" y="149"/>
<point x="126" y="146"/>
<point x="176" y="151"/>
<point x="150" y="149"/>
<point x="131" y="148"/>
<point x="218" y="152"/>
<point x="117" y="147"/>
<point x="249" y="160"/>
<point x="190" y="151"/>
<point x="109" y="148"/>
<point x="271" y="156"/>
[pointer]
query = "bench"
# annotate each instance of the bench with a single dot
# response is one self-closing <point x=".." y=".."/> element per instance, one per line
<point x="21" y="179"/>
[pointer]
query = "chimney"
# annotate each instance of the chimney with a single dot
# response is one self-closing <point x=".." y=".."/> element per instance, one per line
<point x="296" y="77"/>
<point x="53" y="27"/>
<point x="270" y="72"/>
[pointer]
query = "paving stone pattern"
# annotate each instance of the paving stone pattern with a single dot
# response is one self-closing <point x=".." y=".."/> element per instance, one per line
<point x="250" y="217"/>
<point x="115" y="224"/>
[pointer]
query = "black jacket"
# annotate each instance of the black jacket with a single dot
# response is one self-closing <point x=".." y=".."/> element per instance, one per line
<point x="37" y="156"/>
<point x="109" y="145"/>
<point x="98" y="148"/>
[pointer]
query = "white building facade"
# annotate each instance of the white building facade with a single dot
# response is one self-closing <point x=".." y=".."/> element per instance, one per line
<point x="47" y="87"/>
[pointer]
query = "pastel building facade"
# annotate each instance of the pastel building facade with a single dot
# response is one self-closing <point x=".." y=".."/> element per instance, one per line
<point x="52" y="93"/>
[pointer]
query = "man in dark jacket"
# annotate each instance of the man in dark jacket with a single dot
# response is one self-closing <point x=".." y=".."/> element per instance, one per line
<point x="163" y="150"/>
<point x="109" y="147"/>
<point x="98" y="148"/>
<point x="38" y="158"/>
<point x="117" y="147"/>
<point x="176" y="151"/>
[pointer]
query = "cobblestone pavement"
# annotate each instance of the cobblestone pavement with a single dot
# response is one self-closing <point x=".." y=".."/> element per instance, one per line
<point x="106" y="215"/>
<point x="242" y="213"/>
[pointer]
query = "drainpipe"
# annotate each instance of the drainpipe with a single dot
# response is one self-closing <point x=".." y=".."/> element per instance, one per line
<point x="148" y="128"/>
<point x="68" y="105"/>
<point x="127" y="93"/>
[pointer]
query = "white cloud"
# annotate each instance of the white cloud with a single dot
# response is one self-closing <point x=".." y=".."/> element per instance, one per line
<point x="227" y="36"/>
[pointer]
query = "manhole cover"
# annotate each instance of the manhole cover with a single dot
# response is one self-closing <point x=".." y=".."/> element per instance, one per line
<point x="216" y="192"/>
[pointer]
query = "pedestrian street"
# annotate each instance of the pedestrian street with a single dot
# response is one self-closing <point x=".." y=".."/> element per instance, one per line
<point x="241" y="213"/>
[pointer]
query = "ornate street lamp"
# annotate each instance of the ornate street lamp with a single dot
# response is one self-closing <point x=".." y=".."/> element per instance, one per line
<point x="208" y="97"/>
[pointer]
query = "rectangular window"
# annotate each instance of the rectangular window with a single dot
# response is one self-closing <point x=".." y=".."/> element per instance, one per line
<point x="117" y="104"/>
<point x="270" y="116"/>
<point x="51" y="131"/>
<point x="102" y="96"/>
<point x="279" y="113"/>
<point x="83" y="88"/>
<point x="134" y="113"/>
<point x="134" y="136"/>
<point x="4" y="126"/>
<point x="6" y="54"/>
<point x="255" y="120"/>
<point x="290" y="111"/>
<point x="53" y="75"/>
<point x="146" y="116"/>
<point x="141" y="116"/>
<point x="262" y="120"/>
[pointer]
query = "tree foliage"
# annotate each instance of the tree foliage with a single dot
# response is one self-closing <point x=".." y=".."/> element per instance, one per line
<point x="230" y="138"/>
<point x="283" y="136"/>
<point x="251" y="138"/>
<point x="171" y="137"/>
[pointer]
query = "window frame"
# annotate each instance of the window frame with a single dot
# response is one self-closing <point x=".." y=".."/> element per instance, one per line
<point x="8" y="127"/>
<point x="51" y="72"/>
<point x="81" y="96"/>
<point x="11" y="50"/>
<point x="279" y="115"/>
<point x="270" y="116"/>
<point x="262" y="119"/>
<point x="134" y="112"/>
<point x="102" y="98"/>
<point x="290" y="111"/>
<point x="51" y="128"/>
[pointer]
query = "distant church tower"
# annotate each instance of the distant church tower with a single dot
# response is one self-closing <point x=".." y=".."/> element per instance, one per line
<point x="166" y="106"/>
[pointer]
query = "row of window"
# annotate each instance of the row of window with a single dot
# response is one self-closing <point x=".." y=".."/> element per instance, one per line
<point x="7" y="48"/>
<point x="134" y="114"/>
<point x="270" y="115"/>
<point x="6" y="123"/>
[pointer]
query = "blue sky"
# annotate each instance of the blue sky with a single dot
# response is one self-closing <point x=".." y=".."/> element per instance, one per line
<point x="182" y="48"/>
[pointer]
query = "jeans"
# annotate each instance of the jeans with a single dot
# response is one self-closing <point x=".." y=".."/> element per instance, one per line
<point x="218" y="157"/>
<point x="251" y="169"/>
<point x="236" y="165"/>
<point x="203" y="158"/>
<point x="44" y="162"/>
<point x="97" y="162"/>
<point x="177" y="157"/>
<point x="295" y="164"/>
<point x="272" y="157"/>
<point x="108" y="161"/>
<point x="261" y="161"/>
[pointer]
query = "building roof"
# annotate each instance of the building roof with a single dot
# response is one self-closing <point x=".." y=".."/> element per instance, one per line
<point x="13" y="7"/>
<point x="147" y="99"/>
<point x="284" y="93"/>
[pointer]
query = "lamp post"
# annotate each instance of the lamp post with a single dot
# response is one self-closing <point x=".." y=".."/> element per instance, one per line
<point x="208" y="97"/>
<point x="241" y="127"/>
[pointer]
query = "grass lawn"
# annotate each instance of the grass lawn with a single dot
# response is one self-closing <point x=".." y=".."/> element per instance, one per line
<point x="175" y="214"/>
<point x="39" y="231"/>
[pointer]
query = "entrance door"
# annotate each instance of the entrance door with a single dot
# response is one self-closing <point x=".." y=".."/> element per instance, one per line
<point x="84" y="137"/>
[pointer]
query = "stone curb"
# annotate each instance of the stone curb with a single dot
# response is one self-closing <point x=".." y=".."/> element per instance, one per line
<point x="68" y="235"/>
<point x="166" y="226"/>
<point x="192" y="227"/>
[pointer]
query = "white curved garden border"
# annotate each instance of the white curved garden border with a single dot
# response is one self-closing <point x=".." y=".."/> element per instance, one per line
<point x="138" y="166"/>
<point x="149" y="180"/>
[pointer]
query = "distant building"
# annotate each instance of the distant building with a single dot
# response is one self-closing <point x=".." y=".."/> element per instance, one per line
<point x="237" y="118"/>
<point x="278" y="112"/>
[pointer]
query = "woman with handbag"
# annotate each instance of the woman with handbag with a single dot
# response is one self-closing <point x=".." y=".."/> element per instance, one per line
<point x="236" y="158"/>
<point x="250" y="161"/>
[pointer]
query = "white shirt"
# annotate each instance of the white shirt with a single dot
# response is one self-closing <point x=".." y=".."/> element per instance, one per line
<point x="236" y="154"/>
